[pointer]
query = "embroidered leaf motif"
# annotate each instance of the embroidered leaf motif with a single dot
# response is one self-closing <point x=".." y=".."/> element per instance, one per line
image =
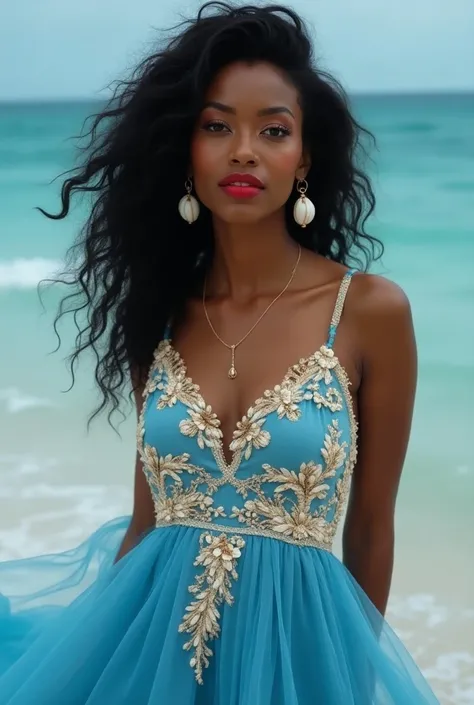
<point x="286" y="397"/>
<point x="249" y="434"/>
<point x="202" y="423"/>
<point x="333" y="453"/>
<point x="332" y="399"/>
<point x="217" y="557"/>
<point x="177" y="502"/>
<point x="289" y="509"/>
<point x="173" y="390"/>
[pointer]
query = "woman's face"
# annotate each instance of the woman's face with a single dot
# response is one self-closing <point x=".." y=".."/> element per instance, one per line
<point x="247" y="147"/>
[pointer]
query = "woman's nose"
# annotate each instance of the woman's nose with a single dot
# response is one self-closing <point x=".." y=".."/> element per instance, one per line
<point x="243" y="152"/>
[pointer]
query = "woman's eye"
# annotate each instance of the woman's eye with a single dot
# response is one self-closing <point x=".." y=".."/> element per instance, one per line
<point x="277" y="131"/>
<point x="215" y="126"/>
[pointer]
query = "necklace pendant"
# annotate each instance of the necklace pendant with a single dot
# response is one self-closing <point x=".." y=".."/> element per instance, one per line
<point x="232" y="373"/>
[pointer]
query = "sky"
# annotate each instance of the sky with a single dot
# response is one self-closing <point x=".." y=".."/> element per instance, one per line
<point x="73" y="49"/>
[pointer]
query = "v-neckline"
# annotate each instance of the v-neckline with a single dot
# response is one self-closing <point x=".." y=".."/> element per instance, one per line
<point x="220" y="446"/>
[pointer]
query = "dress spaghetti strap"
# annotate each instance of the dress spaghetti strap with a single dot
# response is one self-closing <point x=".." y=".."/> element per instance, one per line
<point x="339" y="306"/>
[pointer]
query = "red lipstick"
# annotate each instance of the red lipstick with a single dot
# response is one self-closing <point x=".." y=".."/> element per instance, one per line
<point x="242" y="185"/>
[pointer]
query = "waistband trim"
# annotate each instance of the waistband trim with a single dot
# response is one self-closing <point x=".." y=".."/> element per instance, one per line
<point x="246" y="531"/>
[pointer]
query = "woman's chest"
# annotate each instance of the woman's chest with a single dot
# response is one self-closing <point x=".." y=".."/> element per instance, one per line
<point x="297" y="412"/>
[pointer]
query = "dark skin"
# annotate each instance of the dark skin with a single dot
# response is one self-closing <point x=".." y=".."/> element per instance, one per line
<point x="240" y="130"/>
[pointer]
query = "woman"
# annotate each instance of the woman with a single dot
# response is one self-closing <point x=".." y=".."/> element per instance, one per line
<point x="266" y="373"/>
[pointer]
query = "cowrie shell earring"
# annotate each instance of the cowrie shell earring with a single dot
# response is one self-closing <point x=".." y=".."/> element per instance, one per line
<point x="304" y="210"/>
<point x="189" y="206"/>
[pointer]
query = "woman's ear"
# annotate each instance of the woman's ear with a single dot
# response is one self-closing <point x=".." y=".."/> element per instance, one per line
<point x="304" y="166"/>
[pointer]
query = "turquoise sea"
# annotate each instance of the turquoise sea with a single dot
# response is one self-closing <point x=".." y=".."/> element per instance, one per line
<point x="58" y="482"/>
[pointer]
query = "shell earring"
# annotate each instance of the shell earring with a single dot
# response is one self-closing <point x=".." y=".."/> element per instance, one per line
<point x="189" y="206"/>
<point x="304" y="209"/>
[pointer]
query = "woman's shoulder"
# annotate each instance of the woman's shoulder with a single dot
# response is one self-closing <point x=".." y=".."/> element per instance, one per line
<point x="373" y="294"/>
<point x="369" y="295"/>
<point x="379" y="310"/>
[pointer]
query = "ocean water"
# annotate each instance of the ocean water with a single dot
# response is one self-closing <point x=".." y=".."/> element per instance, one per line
<point x="59" y="482"/>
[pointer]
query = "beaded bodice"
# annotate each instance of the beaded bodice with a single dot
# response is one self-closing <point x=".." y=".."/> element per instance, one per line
<point x="292" y="453"/>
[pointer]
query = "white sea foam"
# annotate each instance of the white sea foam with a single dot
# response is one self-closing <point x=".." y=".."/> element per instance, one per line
<point x="24" y="463"/>
<point x="452" y="674"/>
<point x="65" y="517"/>
<point x="42" y="512"/>
<point x="25" y="273"/>
<point x="439" y="638"/>
<point x="16" y="401"/>
<point x="419" y="606"/>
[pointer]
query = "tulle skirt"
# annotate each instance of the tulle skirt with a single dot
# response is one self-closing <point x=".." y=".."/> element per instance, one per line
<point x="75" y="629"/>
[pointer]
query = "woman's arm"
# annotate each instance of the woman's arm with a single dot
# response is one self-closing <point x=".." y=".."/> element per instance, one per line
<point x="385" y="404"/>
<point x="143" y="515"/>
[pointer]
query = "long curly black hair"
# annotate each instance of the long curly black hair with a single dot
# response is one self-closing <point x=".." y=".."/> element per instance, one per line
<point x="134" y="263"/>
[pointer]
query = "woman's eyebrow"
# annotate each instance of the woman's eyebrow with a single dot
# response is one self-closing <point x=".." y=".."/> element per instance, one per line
<point x="274" y="110"/>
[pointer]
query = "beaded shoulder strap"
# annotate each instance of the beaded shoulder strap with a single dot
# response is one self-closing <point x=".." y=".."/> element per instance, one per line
<point x="339" y="306"/>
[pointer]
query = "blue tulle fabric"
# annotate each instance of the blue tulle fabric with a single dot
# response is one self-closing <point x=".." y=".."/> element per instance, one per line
<point x="78" y="630"/>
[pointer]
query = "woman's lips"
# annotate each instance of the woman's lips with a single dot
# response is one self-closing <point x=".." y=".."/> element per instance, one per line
<point x="239" y="185"/>
<point x="241" y="190"/>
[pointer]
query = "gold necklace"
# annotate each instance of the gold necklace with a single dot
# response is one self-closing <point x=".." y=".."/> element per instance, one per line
<point x="232" y="373"/>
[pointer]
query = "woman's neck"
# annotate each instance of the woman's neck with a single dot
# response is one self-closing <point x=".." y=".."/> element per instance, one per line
<point x="251" y="260"/>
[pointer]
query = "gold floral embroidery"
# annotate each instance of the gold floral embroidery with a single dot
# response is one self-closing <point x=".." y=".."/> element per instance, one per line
<point x="176" y="502"/>
<point x="332" y="399"/>
<point x="203" y="423"/>
<point x="154" y="382"/>
<point x="286" y="398"/>
<point x="279" y="512"/>
<point x="249" y="434"/>
<point x="300" y="382"/>
<point x="173" y="391"/>
<point x="182" y="504"/>
<point x="300" y="506"/>
<point x="326" y="361"/>
<point x="333" y="453"/>
<point x="217" y="557"/>
<point x="170" y="465"/>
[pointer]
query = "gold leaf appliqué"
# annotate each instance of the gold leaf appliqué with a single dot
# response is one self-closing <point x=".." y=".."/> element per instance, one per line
<point x="217" y="557"/>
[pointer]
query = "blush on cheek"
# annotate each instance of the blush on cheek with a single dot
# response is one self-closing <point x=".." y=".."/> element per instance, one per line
<point x="287" y="162"/>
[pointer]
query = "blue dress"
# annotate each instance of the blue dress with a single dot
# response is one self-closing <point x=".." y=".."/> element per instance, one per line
<point x="235" y="598"/>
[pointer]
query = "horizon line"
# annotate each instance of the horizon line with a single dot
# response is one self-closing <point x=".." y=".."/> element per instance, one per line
<point x="356" y="93"/>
